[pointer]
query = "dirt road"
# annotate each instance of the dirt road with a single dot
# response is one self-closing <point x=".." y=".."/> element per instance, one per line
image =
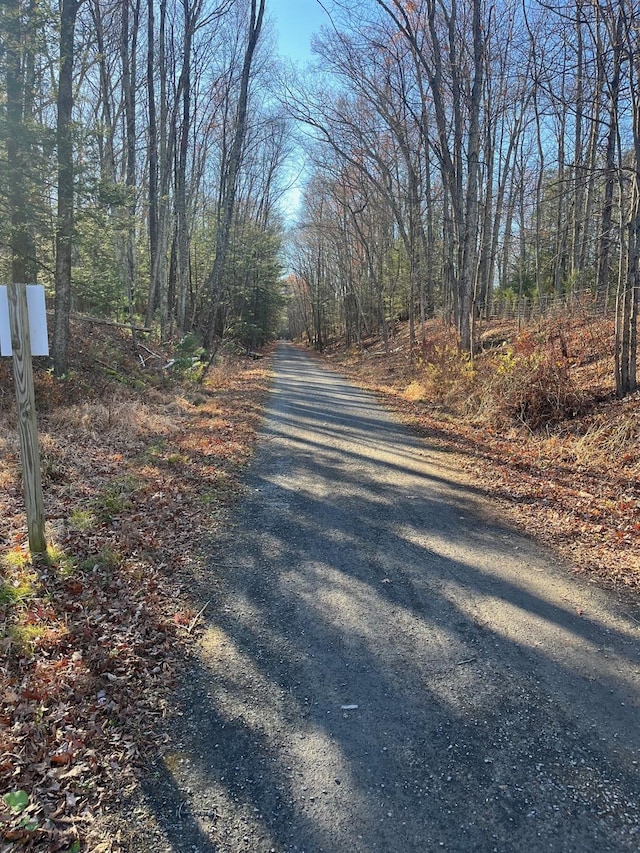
<point x="387" y="667"/>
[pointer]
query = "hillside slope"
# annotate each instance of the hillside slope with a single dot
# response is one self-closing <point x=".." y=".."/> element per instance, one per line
<point x="139" y="467"/>
<point x="535" y="422"/>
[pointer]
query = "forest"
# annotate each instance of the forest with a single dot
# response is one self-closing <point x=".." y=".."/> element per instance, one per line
<point x="445" y="203"/>
<point x="458" y="158"/>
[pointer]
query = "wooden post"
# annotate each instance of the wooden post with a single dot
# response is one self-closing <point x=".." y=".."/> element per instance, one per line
<point x="27" y="426"/>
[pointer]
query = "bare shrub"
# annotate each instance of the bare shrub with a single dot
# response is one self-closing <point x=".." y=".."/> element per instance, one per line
<point x="533" y="385"/>
<point x="448" y="376"/>
<point x="415" y="392"/>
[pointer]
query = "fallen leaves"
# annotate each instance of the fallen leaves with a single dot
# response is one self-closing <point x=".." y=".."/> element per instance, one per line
<point x="91" y="640"/>
<point x="577" y="487"/>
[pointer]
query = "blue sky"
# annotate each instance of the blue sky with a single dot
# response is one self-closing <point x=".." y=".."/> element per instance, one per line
<point x="295" y="21"/>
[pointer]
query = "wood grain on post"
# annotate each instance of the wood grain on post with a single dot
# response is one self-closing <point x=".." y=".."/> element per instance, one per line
<point x="27" y="425"/>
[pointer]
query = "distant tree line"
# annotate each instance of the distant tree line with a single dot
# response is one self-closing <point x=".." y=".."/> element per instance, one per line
<point x="460" y="151"/>
<point x="142" y="158"/>
<point x="467" y="149"/>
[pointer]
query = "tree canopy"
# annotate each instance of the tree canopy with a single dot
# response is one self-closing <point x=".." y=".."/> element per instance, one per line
<point x="458" y="155"/>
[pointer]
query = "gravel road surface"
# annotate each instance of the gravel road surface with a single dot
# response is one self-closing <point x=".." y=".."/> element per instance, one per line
<point x="389" y="667"/>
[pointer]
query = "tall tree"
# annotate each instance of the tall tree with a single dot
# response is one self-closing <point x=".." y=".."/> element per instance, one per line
<point x="65" y="218"/>
<point x="231" y="170"/>
<point x="629" y="282"/>
<point x="130" y="24"/>
<point x="18" y="25"/>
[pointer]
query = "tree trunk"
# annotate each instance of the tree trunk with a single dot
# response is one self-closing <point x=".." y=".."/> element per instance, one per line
<point x="577" y="223"/>
<point x="19" y="101"/>
<point x="128" y="54"/>
<point x="215" y="281"/>
<point x="605" y="243"/>
<point x="182" y="227"/>
<point x="64" y="231"/>
<point x="153" y="158"/>
<point x="629" y="285"/>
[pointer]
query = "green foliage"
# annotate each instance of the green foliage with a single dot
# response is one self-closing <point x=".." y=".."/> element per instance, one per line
<point x="82" y="519"/>
<point x="26" y="121"/>
<point x="19" y="580"/>
<point x="189" y="356"/>
<point x="396" y="274"/>
<point x="15" y="560"/>
<point x="256" y="290"/>
<point x="25" y="636"/>
<point x="16" y="801"/>
<point x="189" y="345"/>
<point x="10" y="594"/>
<point x="177" y="459"/>
<point x="115" y="499"/>
<point x="97" y="270"/>
<point x="396" y="264"/>
<point x="106" y="561"/>
<point x="60" y="560"/>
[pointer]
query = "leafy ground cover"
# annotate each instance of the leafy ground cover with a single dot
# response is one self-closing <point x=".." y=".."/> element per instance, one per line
<point x="138" y="469"/>
<point x="534" y="420"/>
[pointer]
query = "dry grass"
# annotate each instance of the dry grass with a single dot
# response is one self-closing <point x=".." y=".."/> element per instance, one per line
<point x="129" y="416"/>
<point x="416" y="392"/>
<point x="535" y="422"/>
<point x="611" y="436"/>
<point x="138" y="471"/>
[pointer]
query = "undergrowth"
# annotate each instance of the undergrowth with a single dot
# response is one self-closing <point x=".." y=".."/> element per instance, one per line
<point x="136" y="469"/>
<point x="527" y="382"/>
<point x="534" y="417"/>
<point x="532" y="384"/>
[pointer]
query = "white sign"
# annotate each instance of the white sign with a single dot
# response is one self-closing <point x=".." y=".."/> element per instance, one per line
<point x="37" y="320"/>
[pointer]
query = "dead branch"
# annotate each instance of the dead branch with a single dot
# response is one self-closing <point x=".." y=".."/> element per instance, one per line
<point x="196" y="618"/>
<point x="85" y="318"/>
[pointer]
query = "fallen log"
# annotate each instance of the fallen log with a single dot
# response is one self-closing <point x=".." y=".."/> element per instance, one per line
<point x="85" y="318"/>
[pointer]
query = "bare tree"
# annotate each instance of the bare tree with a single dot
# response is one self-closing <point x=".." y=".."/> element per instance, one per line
<point x="64" y="231"/>
<point x="629" y="282"/>
<point x="232" y="168"/>
<point x="19" y="47"/>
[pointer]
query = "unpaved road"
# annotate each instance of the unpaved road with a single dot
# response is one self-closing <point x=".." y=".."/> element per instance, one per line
<point x="387" y="667"/>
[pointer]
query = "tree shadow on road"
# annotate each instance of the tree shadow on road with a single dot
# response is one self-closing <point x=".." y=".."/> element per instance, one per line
<point x="386" y="668"/>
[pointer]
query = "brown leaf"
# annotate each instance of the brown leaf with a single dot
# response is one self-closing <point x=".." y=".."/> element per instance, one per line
<point x="61" y="758"/>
